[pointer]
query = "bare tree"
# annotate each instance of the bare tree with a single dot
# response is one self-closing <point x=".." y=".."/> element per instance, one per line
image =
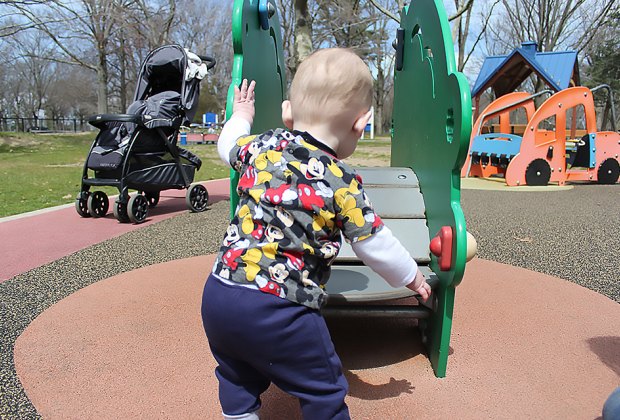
<point x="461" y="29"/>
<point x="462" y="6"/>
<point x="189" y="31"/>
<point x="461" y="19"/>
<point x="303" y="31"/>
<point x="79" y="30"/>
<point x="552" y="24"/>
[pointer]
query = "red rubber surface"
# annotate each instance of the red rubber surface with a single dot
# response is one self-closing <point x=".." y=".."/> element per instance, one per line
<point x="525" y="345"/>
<point x="36" y="239"/>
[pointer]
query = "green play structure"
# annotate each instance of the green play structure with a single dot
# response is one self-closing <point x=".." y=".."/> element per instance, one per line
<point x="418" y="196"/>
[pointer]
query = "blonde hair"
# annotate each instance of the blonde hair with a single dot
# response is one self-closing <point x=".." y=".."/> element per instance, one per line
<point x="329" y="84"/>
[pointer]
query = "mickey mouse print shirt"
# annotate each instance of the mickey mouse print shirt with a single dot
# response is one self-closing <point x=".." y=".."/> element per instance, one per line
<point x="295" y="199"/>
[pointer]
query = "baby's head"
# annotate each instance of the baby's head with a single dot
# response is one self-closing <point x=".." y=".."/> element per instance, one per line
<point x="331" y="93"/>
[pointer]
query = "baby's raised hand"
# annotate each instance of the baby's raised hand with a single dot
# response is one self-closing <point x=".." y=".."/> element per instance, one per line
<point x="243" y="104"/>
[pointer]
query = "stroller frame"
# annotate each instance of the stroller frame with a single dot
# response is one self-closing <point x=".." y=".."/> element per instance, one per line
<point x="135" y="208"/>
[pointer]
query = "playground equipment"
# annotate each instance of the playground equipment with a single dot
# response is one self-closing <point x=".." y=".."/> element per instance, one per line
<point x="418" y="197"/>
<point x="550" y="147"/>
<point x="504" y="74"/>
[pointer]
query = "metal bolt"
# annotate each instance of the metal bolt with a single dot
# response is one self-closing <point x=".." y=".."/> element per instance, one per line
<point x="518" y="182"/>
<point x="559" y="169"/>
<point x="402" y="176"/>
<point x="560" y="105"/>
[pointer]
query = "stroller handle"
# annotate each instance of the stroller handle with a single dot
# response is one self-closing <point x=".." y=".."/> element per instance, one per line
<point x="100" y="119"/>
<point x="208" y="59"/>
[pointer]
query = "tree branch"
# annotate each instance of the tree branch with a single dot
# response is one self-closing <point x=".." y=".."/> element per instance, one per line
<point x="462" y="10"/>
<point x="386" y="11"/>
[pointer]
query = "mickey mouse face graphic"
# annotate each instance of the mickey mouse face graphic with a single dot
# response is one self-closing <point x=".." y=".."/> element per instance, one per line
<point x="329" y="250"/>
<point x="284" y="216"/>
<point x="315" y="169"/>
<point x="274" y="233"/>
<point x="278" y="272"/>
<point x="232" y="235"/>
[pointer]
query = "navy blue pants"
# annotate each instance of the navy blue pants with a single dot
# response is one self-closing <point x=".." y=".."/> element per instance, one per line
<point x="258" y="338"/>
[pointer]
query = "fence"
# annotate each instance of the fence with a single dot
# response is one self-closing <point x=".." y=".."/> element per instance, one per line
<point x="43" y="124"/>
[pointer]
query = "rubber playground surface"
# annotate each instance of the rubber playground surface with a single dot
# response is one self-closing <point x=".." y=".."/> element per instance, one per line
<point x="129" y="343"/>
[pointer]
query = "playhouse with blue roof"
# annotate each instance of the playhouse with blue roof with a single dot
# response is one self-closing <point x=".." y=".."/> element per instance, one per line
<point x="505" y="73"/>
<point x="559" y="140"/>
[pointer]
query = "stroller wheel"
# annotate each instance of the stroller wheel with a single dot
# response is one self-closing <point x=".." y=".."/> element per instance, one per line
<point x="120" y="212"/>
<point x="138" y="208"/>
<point x="152" y="198"/>
<point x="197" y="198"/>
<point x="81" y="204"/>
<point x="98" y="204"/>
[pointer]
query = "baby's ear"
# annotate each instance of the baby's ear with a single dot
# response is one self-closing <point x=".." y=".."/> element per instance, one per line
<point x="360" y="123"/>
<point x="287" y="114"/>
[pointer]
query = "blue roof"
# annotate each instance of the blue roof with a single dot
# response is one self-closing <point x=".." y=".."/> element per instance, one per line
<point x="556" y="68"/>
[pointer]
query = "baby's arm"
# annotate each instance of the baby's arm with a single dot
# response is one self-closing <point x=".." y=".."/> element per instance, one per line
<point x="386" y="256"/>
<point x="240" y="122"/>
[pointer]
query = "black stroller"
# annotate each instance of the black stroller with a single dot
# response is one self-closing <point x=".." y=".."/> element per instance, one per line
<point x="138" y="150"/>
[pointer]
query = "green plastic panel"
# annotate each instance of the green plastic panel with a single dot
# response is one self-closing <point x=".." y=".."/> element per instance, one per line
<point x="257" y="56"/>
<point x="432" y="124"/>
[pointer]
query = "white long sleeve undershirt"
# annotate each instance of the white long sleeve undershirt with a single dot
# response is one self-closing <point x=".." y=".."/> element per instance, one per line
<point x="382" y="252"/>
<point x="387" y="257"/>
<point x="234" y="128"/>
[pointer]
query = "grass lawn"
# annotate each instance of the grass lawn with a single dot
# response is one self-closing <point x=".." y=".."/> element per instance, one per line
<point x="45" y="170"/>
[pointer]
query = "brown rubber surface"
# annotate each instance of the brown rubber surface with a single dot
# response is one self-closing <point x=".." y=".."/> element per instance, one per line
<point x="525" y="345"/>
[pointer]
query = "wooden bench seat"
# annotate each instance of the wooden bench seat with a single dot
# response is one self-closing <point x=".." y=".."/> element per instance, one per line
<point x="396" y="198"/>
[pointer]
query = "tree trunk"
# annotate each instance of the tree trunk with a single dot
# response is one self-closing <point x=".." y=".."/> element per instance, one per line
<point x="102" y="84"/>
<point x="380" y="94"/>
<point x="303" y="32"/>
<point x="123" y="73"/>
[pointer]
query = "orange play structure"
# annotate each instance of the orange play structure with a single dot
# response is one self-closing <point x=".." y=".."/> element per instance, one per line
<point x="558" y="143"/>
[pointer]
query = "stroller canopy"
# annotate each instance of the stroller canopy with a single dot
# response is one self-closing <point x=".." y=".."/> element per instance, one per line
<point x="165" y="70"/>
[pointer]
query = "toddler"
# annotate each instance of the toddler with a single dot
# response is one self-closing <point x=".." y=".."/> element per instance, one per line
<point x="261" y="304"/>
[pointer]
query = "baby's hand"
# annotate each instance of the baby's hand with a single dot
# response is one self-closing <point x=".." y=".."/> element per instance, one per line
<point x="243" y="105"/>
<point x="420" y="286"/>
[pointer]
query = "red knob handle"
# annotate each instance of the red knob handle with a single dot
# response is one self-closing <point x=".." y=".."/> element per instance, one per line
<point x="441" y="247"/>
